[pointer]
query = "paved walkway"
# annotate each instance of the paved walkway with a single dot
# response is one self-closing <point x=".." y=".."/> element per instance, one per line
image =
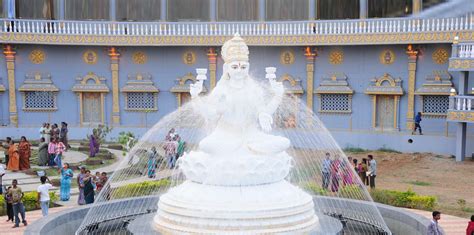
<point x="31" y="216"/>
<point x="452" y="225"/>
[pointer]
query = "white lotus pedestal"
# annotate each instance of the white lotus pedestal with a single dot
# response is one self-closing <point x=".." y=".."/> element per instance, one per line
<point x="205" y="209"/>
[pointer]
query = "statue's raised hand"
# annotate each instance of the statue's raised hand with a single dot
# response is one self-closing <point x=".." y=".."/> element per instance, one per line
<point x="195" y="89"/>
<point x="277" y="87"/>
<point x="265" y="121"/>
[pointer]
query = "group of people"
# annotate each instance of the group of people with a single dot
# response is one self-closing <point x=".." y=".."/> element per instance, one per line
<point x="17" y="155"/>
<point x="174" y="147"/>
<point x="90" y="185"/>
<point x="50" y="132"/>
<point x="335" y="172"/>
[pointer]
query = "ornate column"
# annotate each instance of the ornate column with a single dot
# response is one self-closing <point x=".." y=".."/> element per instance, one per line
<point x="412" y="59"/>
<point x="261" y="10"/>
<point x="363" y="9"/>
<point x="312" y="10"/>
<point x="163" y="10"/>
<point x="417" y="6"/>
<point x="212" y="57"/>
<point x="114" y="67"/>
<point x="112" y="10"/>
<point x="9" y="53"/>
<point x="310" y="55"/>
<point x="213" y="10"/>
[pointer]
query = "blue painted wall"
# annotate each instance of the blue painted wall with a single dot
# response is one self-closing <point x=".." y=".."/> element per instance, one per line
<point x="360" y="65"/>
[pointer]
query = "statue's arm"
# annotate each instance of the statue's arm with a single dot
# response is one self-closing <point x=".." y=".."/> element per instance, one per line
<point x="265" y="114"/>
<point x="205" y="106"/>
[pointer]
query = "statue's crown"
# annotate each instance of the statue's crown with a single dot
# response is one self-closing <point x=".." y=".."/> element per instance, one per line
<point x="235" y="49"/>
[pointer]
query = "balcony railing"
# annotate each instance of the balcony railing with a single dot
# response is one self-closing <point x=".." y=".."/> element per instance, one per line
<point x="334" y="27"/>
<point x="461" y="103"/>
<point x="465" y="51"/>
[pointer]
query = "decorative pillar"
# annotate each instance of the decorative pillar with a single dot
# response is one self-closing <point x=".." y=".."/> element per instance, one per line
<point x="261" y="10"/>
<point x="11" y="12"/>
<point x="412" y="59"/>
<point x="213" y="10"/>
<point x="417" y="6"/>
<point x="460" y="141"/>
<point x="112" y="10"/>
<point x="61" y="10"/>
<point x="114" y="67"/>
<point x="9" y="53"/>
<point x="312" y="10"/>
<point x="463" y="79"/>
<point x="163" y="10"/>
<point x="212" y="57"/>
<point x="363" y="9"/>
<point x="310" y="55"/>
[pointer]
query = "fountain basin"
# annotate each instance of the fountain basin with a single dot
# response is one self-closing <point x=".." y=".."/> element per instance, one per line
<point x="210" y="209"/>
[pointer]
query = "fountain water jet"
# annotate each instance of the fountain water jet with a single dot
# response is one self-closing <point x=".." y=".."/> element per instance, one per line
<point x="239" y="175"/>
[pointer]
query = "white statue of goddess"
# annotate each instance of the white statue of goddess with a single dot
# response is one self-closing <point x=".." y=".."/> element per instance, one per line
<point x="236" y="103"/>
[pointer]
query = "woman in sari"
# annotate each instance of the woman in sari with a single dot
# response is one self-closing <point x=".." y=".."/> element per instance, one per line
<point x="88" y="188"/>
<point x="152" y="156"/>
<point x="66" y="175"/>
<point x="93" y="145"/>
<point x="80" y="183"/>
<point x="43" y="156"/>
<point x="24" y="150"/>
<point x="335" y="174"/>
<point x="63" y="135"/>
<point x="14" y="157"/>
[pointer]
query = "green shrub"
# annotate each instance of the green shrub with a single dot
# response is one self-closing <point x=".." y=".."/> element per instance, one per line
<point x="388" y="150"/>
<point x="422" y="202"/>
<point x="29" y="201"/>
<point x="419" y="183"/>
<point x="350" y="191"/>
<point x="139" y="189"/>
<point x="354" y="150"/>
<point x="316" y="189"/>
<point x="407" y="199"/>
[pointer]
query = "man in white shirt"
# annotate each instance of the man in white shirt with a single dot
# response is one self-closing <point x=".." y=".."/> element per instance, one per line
<point x="43" y="194"/>
<point x="373" y="171"/>
<point x="433" y="228"/>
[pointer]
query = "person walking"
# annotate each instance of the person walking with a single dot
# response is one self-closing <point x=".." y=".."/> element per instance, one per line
<point x="152" y="162"/>
<point x="14" y="157"/>
<point x="66" y="175"/>
<point x="433" y="228"/>
<point x="6" y="146"/>
<point x="63" y="135"/>
<point x="43" y="156"/>
<point x="470" y="226"/>
<point x="58" y="152"/>
<point x="417" y="124"/>
<point x="362" y="170"/>
<point x="372" y="171"/>
<point x="51" y="152"/>
<point x="80" y="183"/>
<point x="9" y="202"/>
<point x="18" y="207"/>
<point x="88" y="188"/>
<point x="43" y="194"/>
<point x="326" y="170"/>
<point x="24" y="149"/>
<point x="47" y="133"/>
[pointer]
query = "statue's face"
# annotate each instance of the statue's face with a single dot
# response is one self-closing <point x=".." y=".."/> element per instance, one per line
<point x="238" y="70"/>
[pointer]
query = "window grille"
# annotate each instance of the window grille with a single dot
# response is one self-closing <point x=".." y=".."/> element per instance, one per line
<point x="335" y="103"/>
<point x="435" y="104"/>
<point x="40" y="100"/>
<point x="141" y="101"/>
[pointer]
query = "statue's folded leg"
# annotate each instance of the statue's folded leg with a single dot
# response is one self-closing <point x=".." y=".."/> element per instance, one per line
<point x="268" y="144"/>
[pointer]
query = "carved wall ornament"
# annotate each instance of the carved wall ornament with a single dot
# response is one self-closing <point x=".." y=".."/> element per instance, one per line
<point x="37" y="56"/>
<point x="336" y="56"/>
<point x="89" y="57"/>
<point x="387" y="57"/>
<point x="189" y="57"/>
<point x="287" y="57"/>
<point x="139" y="57"/>
<point x="440" y="56"/>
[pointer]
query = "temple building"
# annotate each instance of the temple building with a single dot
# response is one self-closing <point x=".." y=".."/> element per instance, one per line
<point x="365" y="67"/>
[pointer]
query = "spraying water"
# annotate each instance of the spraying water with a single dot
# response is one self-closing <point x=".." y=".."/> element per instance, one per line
<point x="256" y="161"/>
